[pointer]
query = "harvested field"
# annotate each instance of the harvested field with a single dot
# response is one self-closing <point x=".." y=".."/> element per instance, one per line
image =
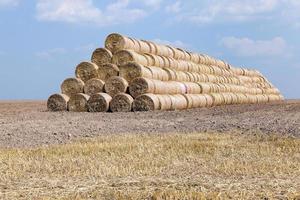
<point x="228" y="152"/>
<point x="156" y="166"/>
<point x="27" y="124"/>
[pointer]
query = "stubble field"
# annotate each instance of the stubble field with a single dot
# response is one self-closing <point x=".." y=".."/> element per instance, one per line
<point x="232" y="152"/>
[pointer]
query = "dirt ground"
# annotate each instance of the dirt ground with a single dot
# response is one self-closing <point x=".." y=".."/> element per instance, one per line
<point x="28" y="124"/>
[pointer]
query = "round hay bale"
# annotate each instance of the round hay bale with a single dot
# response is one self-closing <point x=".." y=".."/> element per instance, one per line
<point x="173" y="63"/>
<point x="144" y="46"/>
<point x="192" y="88"/>
<point x="159" y="73"/>
<point x="183" y="65"/>
<point x="152" y="47"/>
<point x="202" y="78"/>
<point x="189" y="100"/>
<point x="265" y="98"/>
<point x="199" y="100"/>
<point x="234" y="98"/>
<point x="175" y="88"/>
<point x="121" y="103"/>
<point x="116" y="85"/>
<point x="182" y="76"/>
<point x="242" y="98"/>
<point x="201" y="59"/>
<point x="191" y="76"/>
<point x="217" y="99"/>
<point x="171" y="74"/>
<point x="274" y="97"/>
<point x="78" y="103"/>
<point x="163" y="50"/>
<point x="156" y="60"/>
<point x="99" y="102"/>
<point x="86" y="71"/>
<point x="195" y="58"/>
<point x="132" y="70"/>
<point x="124" y="56"/>
<point x="150" y="60"/>
<point x="216" y="70"/>
<point x="223" y="87"/>
<point x="179" y="102"/>
<point x="178" y="54"/>
<point x="93" y="86"/>
<point x="72" y="86"/>
<point x="105" y="71"/>
<point x="58" y="102"/>
<point x="101" y="56"/>
<point x="184" y="55"/>
<point x="192" y="67"/>
<point x="141" y="86"/>
<point x="227" y="98"/>
<point x="209" y="100"/>
<point x="171" y="51"/>
<point x="146" y="102"/>
<point x="166" y="61"/>
<point x="212" y="78"/>
<point x="115" y="42"/>
<point x="165" y="102"/>
<point x="205" y="87"/>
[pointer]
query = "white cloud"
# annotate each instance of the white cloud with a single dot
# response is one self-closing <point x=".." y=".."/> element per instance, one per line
<point x="234" y="10"/>
<point x="47" y="54"/>
<point x="84" y="11"/>
<point x="214" y="11"/>
<point x="248" y="47"/>
<point x="174" y="8"/>
<point x="4" y="3"/>
<point x="176" y="43"/>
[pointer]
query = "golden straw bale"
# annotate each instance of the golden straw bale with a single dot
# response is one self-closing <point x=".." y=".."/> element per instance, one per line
<point x="152" y="47"/>
<point x="145" y="47"/>
<point x="121" y="102"/>
<point x="115" y="85"/>
<point x="93" y="86"/>
<point x="86" y="71"/>
<point x="72" y="86"/>
<point x="159" y="73"/>
<point x="132" y="70"/>
<point x="171" y="74"/>
<point x="141" y="86"/>
<point x="78" y="103"/>
<point x="146" y="102"/>
<point x="165" y="102"/>
<point x="115" y="42"/>
<point x="101" y="56"/>
<point x="218" y="99"/>
<point x="99" y="102"/>
<point x="179" y="102"/>
<point x="192" y="88"/>
<point x="58" y="102"/>
<point x="122" y="57"/>
<point x="107" y="70"/>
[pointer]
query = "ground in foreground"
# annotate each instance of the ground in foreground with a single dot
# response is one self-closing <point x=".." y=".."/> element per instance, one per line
<point x="156" y="166"/>
<point x="28" y="124"/>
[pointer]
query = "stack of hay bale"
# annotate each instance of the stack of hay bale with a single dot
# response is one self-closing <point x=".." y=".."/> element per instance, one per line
<point x="138" y="75"/>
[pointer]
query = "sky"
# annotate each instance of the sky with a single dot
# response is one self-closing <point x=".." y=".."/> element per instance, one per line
<point x="42" y="41"/>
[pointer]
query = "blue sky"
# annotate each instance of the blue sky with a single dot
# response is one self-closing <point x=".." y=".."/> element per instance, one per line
<point x="41" y="41"/>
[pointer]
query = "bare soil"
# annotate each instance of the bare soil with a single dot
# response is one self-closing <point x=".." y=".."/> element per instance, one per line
<point x="29" y="124"/>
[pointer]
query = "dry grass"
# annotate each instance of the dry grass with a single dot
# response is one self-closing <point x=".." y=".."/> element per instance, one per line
<point x="181" y="166"/>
